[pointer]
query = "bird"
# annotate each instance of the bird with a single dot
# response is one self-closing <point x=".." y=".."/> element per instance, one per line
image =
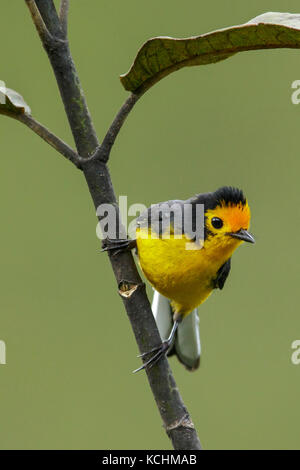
<point x="185" y="255"/>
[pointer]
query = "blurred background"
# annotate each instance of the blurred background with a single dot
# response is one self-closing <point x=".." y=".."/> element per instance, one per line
<point x="67" y="383"/>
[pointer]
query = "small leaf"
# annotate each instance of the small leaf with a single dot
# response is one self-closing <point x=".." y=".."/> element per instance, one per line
<point x="12" y="102"/>
<point x="160" y="56"/>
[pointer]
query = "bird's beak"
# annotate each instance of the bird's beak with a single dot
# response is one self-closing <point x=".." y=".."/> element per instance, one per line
<point x="243" y="235"/>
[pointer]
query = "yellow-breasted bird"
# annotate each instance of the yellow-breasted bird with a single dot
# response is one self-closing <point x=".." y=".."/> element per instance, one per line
<point x="183" y="268"/>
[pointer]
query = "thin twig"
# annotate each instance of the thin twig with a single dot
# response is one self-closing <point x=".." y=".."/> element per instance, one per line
<point x="102" y="152"/>
<point x="49" y="14"/>
<point x="70" y="89"/>
<point x="50" y="138"/>
<point x="38" y="20"/>
<point x="63" y="16"/>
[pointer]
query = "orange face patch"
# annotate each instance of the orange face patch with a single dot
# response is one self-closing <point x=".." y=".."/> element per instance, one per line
<point x="235" y="217"/>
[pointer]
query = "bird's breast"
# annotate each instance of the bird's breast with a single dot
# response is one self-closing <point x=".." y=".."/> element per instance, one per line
<point x="180" y="273"/>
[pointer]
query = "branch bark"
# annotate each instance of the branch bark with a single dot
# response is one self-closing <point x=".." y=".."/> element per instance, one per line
<point x="50" y="138"/>
<point x="103" y="151"/>
<point x="176" y="419"/>
<point x="63" y="16"/>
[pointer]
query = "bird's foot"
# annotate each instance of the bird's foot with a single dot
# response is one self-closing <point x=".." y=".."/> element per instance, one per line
<point x="160" y="351"/>
<point x="117" y="245"/>
<point x="157" y="353"/>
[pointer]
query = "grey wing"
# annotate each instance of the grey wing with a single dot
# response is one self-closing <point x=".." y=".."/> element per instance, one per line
<point x="160" y="216"/>
<point x="222" y="275"/>
<point x="185" y="217"/>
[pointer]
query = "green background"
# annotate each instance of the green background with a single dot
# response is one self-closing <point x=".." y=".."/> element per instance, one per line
<point x="70" y="348"/>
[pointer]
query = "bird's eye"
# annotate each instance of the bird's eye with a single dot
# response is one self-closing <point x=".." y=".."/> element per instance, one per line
<point x="216" y="222"/>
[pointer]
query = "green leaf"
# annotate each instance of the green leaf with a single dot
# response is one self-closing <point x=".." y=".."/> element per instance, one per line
<point x="160" y="56"/>
<point x="12" y="102"/>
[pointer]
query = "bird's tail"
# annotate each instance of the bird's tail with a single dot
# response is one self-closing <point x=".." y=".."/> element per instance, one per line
<point x="187" y="346"/>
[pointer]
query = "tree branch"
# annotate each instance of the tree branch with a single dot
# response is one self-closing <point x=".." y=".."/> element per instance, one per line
<point x="174" y="414"/>
<point x="63" y="16"/>
<point x="69" y="85"/>
<point x="102" y="153"/>
<point x="38" y="20"/>
<point x="50" y="138"/>
<point x="49" y="14"/>
<point x="42" y="131"/>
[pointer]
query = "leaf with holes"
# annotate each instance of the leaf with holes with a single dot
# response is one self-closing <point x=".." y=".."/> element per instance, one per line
<point x="161" y="56"/>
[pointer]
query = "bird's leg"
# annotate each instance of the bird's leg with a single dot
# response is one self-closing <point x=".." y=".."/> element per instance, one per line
<point x="117" y="245"/>
<point x="160" y="351"/>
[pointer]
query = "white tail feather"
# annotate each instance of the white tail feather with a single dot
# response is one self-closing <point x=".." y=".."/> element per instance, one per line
<point x="187" y="343"/>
